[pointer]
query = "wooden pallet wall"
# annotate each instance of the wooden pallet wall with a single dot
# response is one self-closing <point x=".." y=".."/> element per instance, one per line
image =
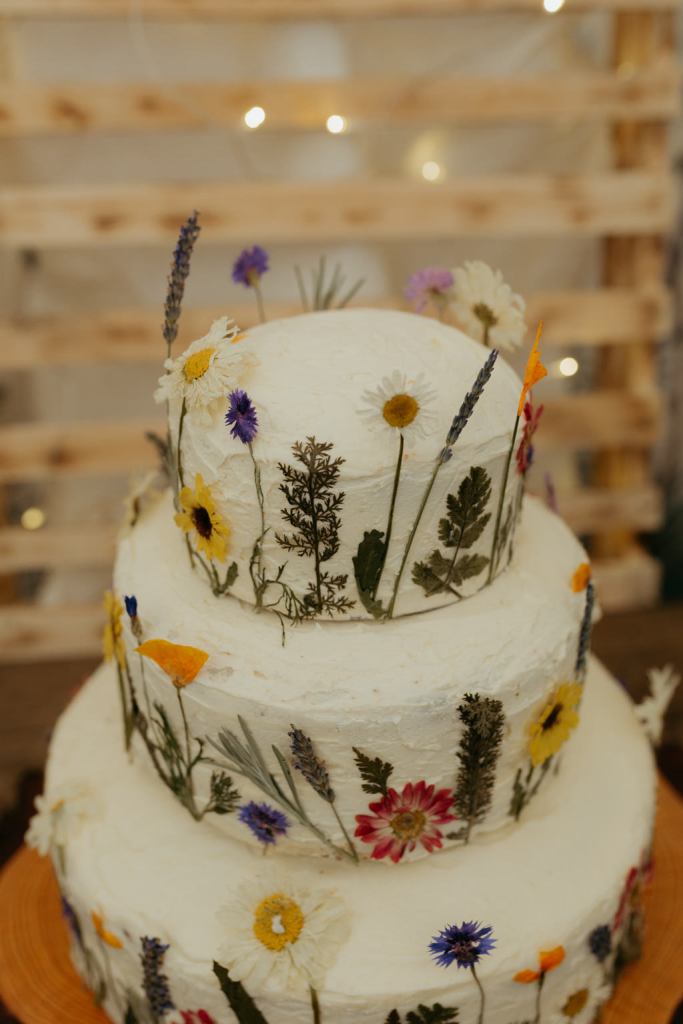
<point x="629" y="205"/>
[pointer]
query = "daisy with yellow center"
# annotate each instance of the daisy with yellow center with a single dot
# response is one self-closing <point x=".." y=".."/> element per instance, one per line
<point x="206" y="372"/>
<point x="200" y="520"/>
<point x="402" y="407"/>
<point x="60" y="813"/>
<point x="486" y="306"/>
<point x="553" y="726"/>
<point x="281" y="936"/>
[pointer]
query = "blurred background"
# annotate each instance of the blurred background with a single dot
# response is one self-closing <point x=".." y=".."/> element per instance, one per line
<point x="541" y="137"/>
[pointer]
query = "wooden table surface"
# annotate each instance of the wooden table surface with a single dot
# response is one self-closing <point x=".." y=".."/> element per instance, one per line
<point x="39" y="985"/>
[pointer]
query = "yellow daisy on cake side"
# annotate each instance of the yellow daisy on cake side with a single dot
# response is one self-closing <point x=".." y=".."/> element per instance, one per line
<point x="551" y="729"/>
<point x="199" y="518"/>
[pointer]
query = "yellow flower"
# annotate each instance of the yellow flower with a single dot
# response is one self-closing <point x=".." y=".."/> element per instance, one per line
<point x="581" y="576"/>
<point x="278" y="921"/>
<point x="535" y="370"/>
<point x="403" y="405"/>
<point x="575" y="1004"/>
<point x="198" y="515"/>
<point x="107" y="937"/>
<point x="112" y="637"/>
<point x="554" y="724"/>
<point x="180" y="663"/>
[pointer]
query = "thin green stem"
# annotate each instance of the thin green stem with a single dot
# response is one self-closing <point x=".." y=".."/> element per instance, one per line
<point x="315" y="1006"/>
<point x="425" y="498"/>
<point x="482" y="997"/>
<point x="487" y="331"/>
<point x="127" y="731"/>
<point x="352" y="849"/>
<point x="392" y="506"/>
<point x="179" y="458"/>
<point x="259" y="302"/>
<point x="501" y="502"/>
<point x="539" y="989"/>
<point x="186" y="729"/>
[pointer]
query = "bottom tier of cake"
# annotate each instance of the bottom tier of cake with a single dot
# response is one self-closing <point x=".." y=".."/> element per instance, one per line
<point x="173" y="922"/>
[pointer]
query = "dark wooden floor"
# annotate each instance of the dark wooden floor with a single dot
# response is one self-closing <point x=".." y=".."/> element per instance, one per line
<point x="629" y="644"/>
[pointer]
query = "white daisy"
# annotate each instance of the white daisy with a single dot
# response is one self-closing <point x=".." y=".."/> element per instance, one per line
<point x="652" y="709"/>
<point x="59" y="816"/>
<point x="281" y="935"/>
<point x="207" y="371"/>
<point x="486" y="307"/>
<point x="402" y="405"/>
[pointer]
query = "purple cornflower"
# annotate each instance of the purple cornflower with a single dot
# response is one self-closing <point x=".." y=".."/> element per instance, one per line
<point x="242" y="416"/>
<point x="180" y="268"/>
<point x="462" y="944"/>
<point x="154" y="981"/>
<point x="429" y="285"/>
<point x="600" y="942"/>
<point x="250" y="266"/>
<point x="265" y="822"/>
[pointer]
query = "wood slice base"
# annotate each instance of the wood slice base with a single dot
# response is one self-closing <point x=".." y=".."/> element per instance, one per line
<point x="39" y="985"/>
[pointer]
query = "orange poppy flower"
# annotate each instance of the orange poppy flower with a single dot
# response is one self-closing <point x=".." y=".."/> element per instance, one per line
<point x="581" y="576"/>
<point x="548" y="960"/>
<point x="535" y="370"/>
<point x="107" y="937"/>
<point x="180" y="663"/>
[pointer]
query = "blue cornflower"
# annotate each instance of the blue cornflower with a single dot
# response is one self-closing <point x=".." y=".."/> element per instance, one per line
<point x="250" y="266"/>
<point x="154" y="981"/>
<point x="462" y="944"/>
<point x="131" y="604"/>
<point x="265" y="822"/>
<point x="242" y="416"/>
<point x="600" y="942"/>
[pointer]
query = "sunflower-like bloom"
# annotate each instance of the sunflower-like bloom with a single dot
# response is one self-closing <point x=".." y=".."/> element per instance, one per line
<point x="113" y="646"/>
<point x="198" y="516"/>
<point x="551" y="729"/>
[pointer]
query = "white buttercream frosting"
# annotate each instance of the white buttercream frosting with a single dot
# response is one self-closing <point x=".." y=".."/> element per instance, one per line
<point x="147" y="869"/>
<point x="310" y="376"/>
<point x="391" y="689"/>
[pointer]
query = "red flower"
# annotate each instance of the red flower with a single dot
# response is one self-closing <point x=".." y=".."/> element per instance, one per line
<point x="629" y="897"/>
<point x="196" y="1017"/>
<point x="525" y="451"/>
<point x="399" y="821"/>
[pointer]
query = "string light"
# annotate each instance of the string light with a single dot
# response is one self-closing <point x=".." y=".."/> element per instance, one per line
<point x="254" y="117"/>
<point x="336" y="124"/>
<point x="431" y="171"/>
<point x="553" y="6"/>
<point x="33" y="518"/>
<point x="568" y="366"/>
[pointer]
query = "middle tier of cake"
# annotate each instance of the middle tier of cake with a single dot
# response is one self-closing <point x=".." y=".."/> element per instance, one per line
<point x="355" y="739"/>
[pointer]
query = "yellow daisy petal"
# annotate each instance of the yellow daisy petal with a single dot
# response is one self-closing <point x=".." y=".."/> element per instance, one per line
<point x="552" y="728"/>
<point x="107" y="937"/>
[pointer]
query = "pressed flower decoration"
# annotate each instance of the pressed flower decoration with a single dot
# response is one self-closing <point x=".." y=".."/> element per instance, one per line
<point x="575" y="1003"/>
<point x="60" y="813"/>
<point x="548" y="960"/>
<point x="266" y="823"/>
<point x="177" y="278"/>
<point x="464" y="945"/>
<point x="106" y="936"/>
<point x="248" y="269"/>
<point x="241" y="417"/>
<point x="113" y="647"/>
<point x="180" y="662"/>
<point x="558" y="718"/>
<point x="431" y="285"/>
<point x="283" y="936"/>
<point x="486" y="307"/>
<point x="581" y="577"/>
<point x="206" y="371"/>
<point x="600" y="942"/>
<point x="207" y="533"/>
<point x="154" y="982"/>
<point x="525" y="451"/>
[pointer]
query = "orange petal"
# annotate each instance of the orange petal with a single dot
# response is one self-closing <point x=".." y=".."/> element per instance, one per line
<point x="179" y="662"/>
<point x="535" y="370"/>
<point x="549" y="959"/>
<point x="108" y="937"/>
<point x="526" y="977"/>
<point x="581" y="577"/>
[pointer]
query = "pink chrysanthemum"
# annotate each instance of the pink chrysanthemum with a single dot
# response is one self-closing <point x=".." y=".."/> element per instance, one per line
<point x="399" y="821"/>
<point x="432" y="284"/>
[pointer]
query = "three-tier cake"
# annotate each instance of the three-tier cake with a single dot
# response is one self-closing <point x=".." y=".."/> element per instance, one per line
<point x="349" y="761"/>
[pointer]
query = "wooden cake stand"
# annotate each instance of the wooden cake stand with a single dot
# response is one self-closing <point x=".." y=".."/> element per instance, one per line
<point x="39" y="985"/>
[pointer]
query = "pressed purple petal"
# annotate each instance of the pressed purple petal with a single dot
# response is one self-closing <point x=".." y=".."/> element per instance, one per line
<point x="429" y="283"/>
<point x="250" y="266"/>
<point x="241" y="416"/>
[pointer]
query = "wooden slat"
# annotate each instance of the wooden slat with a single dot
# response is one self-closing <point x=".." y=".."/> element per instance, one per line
<point x="76" y="547"/>
<point x="373" y="210"/>
<point x="40" y="451"/>
<point x="585" y="318"/>
<point x="257" y="10"/>
<point x="29" y="109"/>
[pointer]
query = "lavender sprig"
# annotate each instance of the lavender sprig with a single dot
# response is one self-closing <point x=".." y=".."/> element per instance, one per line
<point x="180" y="269"/>
<point x="467" y="408"/>
<point x="154" y="981"/>
<point x="585" y="634"/>
<point x="309" y="764"/>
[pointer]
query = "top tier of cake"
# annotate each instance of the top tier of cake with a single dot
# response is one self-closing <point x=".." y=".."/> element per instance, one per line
<point x="308" y="497"/>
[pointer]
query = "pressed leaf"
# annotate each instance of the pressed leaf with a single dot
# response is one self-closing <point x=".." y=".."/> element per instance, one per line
<point x="241" y="1003"/>
<point x="393" y="1018"/>
<point x="437" y="1014"/>
<point x="130" y="1017"/>
<point x="467" y="567"/>
<point x="367" y="569"/>
<point x="374" y="772"/>
<point x="478" y="753"/>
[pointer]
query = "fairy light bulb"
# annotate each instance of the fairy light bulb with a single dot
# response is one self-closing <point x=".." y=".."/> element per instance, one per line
<point x="336" y="124"/>
<point x="553" y="6"/>
<point x="431" y="170"/>
<point x="254" y="117"/>
<point x="568" y="367"/>
<point x="33" y="518"/>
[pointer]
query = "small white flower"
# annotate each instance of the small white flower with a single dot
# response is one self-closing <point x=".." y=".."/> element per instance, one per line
<point x="402" y="405"/>
<point x="482" y="299"/>
<point x="281" y="935"/>
<point x="59" y="816"/>
<point x="207" y="371"/>
<point x="652" y="709"/>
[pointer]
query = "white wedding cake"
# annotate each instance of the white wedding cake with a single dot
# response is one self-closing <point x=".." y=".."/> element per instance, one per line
<point x="349" y="761"/>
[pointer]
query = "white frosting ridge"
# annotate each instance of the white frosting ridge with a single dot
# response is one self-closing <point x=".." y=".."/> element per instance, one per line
<point x="307" y="376"/>
<point x="390" y="689"/>
<point x="150" y="870"/>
